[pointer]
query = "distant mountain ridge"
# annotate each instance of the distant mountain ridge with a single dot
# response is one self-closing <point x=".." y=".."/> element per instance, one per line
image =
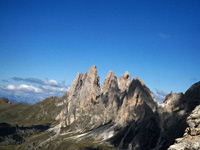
<point x="122" y="114"/>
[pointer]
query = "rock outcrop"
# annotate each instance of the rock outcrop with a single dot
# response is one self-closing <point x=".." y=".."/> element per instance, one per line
<point x="191" y="137"/>
<point x="124" y="81"/>
<point x="4" y="100"/>
<point x="84" y="109"/>
<point x="174" y="112"/>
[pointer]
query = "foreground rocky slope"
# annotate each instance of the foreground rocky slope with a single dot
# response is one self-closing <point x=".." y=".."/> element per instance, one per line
<point x="120" y="114"/>
<point x="191" y="137"/>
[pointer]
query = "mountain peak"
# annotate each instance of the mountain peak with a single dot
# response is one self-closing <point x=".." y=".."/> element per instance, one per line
<point x="124" y="81"/>
<point x="108" y="80"/>
<point x="93" y="75"/>
<point x="92" y="70"/>
<point x="137" y="88"/>
<point x="138" y="79"/>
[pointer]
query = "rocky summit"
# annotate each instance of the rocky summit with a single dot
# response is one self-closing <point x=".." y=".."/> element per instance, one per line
<point x="121" y="114"/>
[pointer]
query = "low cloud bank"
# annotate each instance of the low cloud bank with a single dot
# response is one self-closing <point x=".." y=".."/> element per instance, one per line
<point x="33" y="92"/>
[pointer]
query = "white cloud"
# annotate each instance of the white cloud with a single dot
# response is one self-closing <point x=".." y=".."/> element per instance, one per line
<point x="28" y="88"/>
<point x="22" y="87"/>
<point x="47" y="87"/>
<point x="10" y="87"/>
<point x="33" y="93"/>
<point x="36" y="81"/>
<point x="51" y="82"/>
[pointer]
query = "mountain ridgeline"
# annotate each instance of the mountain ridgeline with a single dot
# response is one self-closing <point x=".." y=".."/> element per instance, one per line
<point x="120" y="114"/>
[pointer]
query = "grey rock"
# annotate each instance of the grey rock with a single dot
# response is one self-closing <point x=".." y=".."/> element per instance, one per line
<point x="137" y="118"/>
<point x="83" y="105"/>
<point x="191" y="140"/>
<point x="110" y="96"/>
<point x="124" y="81"/>
<point x="108" y="82"/>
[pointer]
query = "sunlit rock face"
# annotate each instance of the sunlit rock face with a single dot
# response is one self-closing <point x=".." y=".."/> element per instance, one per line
<point x="124" y="81"/>
<point x="127" y="109"/>
<point x="84" y="108"/>
<point x="125" y="113"/>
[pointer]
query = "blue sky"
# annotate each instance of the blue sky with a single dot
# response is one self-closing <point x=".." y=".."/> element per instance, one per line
<point x="50" y="41"/>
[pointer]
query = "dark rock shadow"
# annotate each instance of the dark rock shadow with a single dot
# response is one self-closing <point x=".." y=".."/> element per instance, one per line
<point x="13" y="135"/>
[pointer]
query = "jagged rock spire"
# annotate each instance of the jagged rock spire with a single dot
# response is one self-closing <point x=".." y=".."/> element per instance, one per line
<point x="93" y="80"/>
<point x="84" y="91"/>
<point x="76" y="85"/>
<point x="138" y="88"/>
<point x="124" y="81"/>
<point x="89" y="105"/>
<point x="109" y="81"/>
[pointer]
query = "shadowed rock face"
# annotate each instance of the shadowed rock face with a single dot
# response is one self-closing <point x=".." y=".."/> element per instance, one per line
<point x="110" y="96"/>
<point x="192" y="96"/>
<point x="138" y="119"/>
<point x="191" y="137"/>
<point x="132" y="106"/>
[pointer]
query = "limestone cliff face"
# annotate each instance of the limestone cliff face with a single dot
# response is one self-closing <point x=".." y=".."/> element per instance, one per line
<point x="110" y="97"/>
<point x="129" y="108"/>
<point x="172" y="101"/>
<point x="137" y="118"/>
<point x="83" y="105"/>
<point x="88" y="103"/>
<point x="136" y="97"/>
<point x="109" y="82"/>
<point x="124" y="81"/>
<point x="191" y="137"/>
<point x="125" y="113"/>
